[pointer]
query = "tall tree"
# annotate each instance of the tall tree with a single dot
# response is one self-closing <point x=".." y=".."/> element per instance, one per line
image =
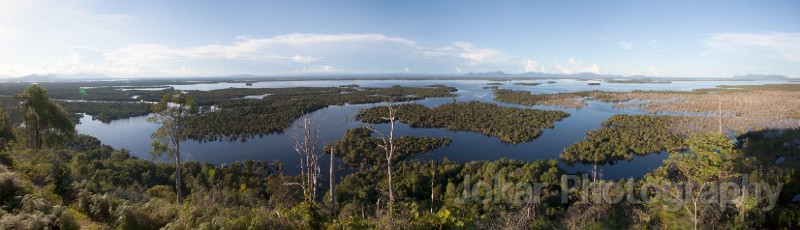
<point x="6" y="133"/>
<point x="332" y="180"/>
<point x="388" y="146"/>
<point x="44" y="118"/>
<point x="305" y="145"/>
<point x="170" y="113"/>
<point x="711" y="160"/>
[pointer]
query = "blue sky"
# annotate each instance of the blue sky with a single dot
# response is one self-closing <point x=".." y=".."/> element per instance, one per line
<point x="214" y="38"/>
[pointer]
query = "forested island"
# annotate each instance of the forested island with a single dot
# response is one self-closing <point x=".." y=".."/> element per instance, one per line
<point x="564" y="100"/>
<point x="242" y="119"/>
<point x="638" y="81"/>
<point x="511" y="125"/>
<point x="623" y="136"/>
<point x="358" y="149"/>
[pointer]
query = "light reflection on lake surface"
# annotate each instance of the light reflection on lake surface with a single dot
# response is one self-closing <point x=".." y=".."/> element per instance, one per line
<point x="133" y="134"/>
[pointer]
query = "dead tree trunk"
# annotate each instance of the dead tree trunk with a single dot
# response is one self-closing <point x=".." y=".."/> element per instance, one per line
<point x="332" y="180"/>
<point x="388" y="147"/>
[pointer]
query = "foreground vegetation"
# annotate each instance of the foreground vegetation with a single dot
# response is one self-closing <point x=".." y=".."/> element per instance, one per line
<point x="51" y="178"/>
<point x="95" y="185"/>
<point x="511" y="125"/>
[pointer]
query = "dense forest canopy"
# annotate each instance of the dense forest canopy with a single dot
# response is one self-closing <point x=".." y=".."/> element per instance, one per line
<point x="359" y="149"/>
<point x="511" y="125"/>
<point x="624" y="136"/>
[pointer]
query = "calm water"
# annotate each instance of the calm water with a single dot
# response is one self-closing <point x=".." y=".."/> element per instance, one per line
<point x="133" y="134"/>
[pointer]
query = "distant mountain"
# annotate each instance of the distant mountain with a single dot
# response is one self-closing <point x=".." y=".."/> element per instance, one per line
<point x="36" y="77"/>
<point x="55" y="77"/>
<point x="762" y="77"/>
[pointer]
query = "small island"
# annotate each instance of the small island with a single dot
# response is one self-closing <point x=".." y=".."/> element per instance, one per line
<point x="638" y="81"/>
<point x="358" y="149"/>
<point x="527" y="83"/>
<point x="632" y="134"/>
<point x="511" y="125"/>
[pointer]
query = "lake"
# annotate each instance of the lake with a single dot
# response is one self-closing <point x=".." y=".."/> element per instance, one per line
<point x="133" y="134"/>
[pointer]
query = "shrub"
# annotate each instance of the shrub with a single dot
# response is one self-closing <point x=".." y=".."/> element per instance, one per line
<point x="12" y="189"/>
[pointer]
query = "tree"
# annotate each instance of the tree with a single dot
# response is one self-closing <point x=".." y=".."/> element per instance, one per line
<point x="171" y="112"/>
<point x="711" y="160"/>
<point x="332" y="180"/>
<point x="388" y="147"/>
<point x="306" y="147"/>
<point x="6" y="133"/>
<point x="44" y="118"/>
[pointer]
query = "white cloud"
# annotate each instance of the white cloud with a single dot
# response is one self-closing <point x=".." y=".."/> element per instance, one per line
<point x="576" y="66"/>
<point x="477" y="55"/>
<point x="282" y="54"/>
<point x="303" y="59"/>
<point x="625" y="45"/>
<point x="292" y="53"/>
<point x="530" y="66"/>
<point x="318" y="69"/>
<point x="785" y="46"/>
<point x="652" y="70"/>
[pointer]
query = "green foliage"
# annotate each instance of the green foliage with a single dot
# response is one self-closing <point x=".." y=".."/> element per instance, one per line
<point x="623" y="136"/>
<point x="12" y="189"/>
<point x="527" y="98"/>
<point x="46" y="122"/>
<point x="6" y="132"/>
<point x="359" y="149"/>
<point x="171" y="113"/>
<point x="160" y="191"/>
<point x="240" y="119"/>
<point x="37" y="210"/>
<point x="511" y="125"/>
<point x="359" y="192"/>
<point x="108" y="111"/>
<point x="710" y="160"/>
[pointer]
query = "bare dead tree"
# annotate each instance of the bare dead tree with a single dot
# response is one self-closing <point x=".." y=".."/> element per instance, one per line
<point x="433" y="178"/>
<point x="332" y="180"/>
<point x="388" y="146"/>
<point x="719" y="112"/>
<point x="306" y="148"/>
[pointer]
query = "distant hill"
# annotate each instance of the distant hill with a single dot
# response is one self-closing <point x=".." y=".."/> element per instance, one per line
<point x="55" y="77"/>
<point x="761" y="77"/>
<point x="335" y="76"/>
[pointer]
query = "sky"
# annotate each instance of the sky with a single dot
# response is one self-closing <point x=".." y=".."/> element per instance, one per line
<point x="153" y="38"/>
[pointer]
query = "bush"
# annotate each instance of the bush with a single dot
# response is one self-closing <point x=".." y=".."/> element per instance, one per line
<point x="12" y="189"/>
<point x="38" y="212"/>
<point x="161" y="191"/>
<point x="154" y="214"/>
